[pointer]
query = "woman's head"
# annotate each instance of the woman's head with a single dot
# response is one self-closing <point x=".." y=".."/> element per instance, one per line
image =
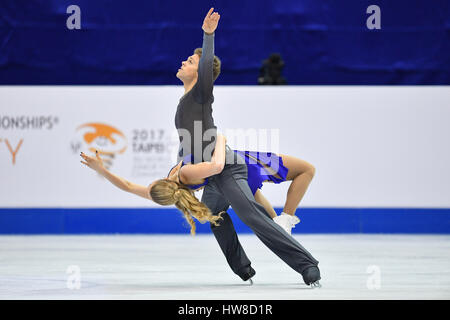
<point x="168" y="192"/>
<point x="189" y="67"/>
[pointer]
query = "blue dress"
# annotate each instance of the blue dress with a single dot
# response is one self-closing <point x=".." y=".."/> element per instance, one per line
<point x="261" y="167"/>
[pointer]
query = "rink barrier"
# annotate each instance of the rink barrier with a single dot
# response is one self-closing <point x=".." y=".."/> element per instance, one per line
<point x="170" y="221"/>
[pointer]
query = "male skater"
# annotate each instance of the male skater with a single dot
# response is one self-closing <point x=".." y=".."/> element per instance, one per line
<point x="197" y="134"/>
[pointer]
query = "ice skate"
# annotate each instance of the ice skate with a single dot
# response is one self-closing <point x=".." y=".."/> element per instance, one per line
<point x="247" y="276"/>
<point x="311" y="277"/>
<point x="286" y="221"/>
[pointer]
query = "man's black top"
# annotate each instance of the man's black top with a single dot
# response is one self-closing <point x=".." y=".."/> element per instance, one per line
<point x="193" y="119"/>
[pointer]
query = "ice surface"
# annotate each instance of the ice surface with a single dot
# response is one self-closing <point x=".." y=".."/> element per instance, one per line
<point x="353" y="266"/>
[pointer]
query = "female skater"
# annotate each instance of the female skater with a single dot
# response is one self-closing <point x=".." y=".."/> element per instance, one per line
<point x="185" y="178"/>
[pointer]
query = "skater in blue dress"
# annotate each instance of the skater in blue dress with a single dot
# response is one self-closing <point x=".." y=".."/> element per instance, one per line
<point x="184" y="178"/>
<point x="262" y="167"/>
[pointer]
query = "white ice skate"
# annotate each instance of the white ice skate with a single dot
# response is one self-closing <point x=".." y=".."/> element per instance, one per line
<point x="286" y="221"/>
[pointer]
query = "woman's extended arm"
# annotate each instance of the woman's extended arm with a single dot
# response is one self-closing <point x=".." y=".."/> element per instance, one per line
<point x="194" y="172"/>
<point x="96" y="164"/>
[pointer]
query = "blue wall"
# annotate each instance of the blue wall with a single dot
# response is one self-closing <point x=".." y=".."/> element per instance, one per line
<point x="164" y="220"/>
<point x="144" y="41"/>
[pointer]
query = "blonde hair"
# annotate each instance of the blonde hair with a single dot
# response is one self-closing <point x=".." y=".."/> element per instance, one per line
<point x="168" y="192"/>
<point x="216" y="63"/>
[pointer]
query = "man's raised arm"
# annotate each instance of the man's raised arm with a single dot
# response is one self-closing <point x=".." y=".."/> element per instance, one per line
<point x="205" y="65"/>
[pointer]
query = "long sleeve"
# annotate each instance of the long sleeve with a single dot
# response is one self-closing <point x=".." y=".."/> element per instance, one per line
<point x="205" y="81"/>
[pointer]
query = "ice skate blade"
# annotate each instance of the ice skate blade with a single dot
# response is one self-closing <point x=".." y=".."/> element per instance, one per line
<point x="315" y="284"/>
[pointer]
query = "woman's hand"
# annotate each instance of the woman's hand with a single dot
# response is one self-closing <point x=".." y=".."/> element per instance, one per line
<point x="211" y="21"/>
<point x="93" y="163"/>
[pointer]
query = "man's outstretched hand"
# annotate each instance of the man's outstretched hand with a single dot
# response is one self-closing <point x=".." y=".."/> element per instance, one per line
<point x="211" y="21"/>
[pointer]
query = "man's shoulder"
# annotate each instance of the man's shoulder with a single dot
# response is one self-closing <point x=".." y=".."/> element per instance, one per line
<point x="187" y="96"/>
<point x="200" y="95"/>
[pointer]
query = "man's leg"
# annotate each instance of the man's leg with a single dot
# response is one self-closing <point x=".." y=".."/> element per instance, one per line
<point x="225" y="233"/>
<point x="233" y="185"/>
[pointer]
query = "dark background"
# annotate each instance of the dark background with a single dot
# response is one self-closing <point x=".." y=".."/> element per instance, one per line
<point x="323" y="42"/>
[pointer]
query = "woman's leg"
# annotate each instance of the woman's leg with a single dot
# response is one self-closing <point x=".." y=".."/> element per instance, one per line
<point x="265" y="203"/>
<point x="300" y="173"/>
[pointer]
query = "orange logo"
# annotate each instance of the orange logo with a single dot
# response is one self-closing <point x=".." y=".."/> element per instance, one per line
<point x="108" y="140"/>
<point x="13" y="152"/>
